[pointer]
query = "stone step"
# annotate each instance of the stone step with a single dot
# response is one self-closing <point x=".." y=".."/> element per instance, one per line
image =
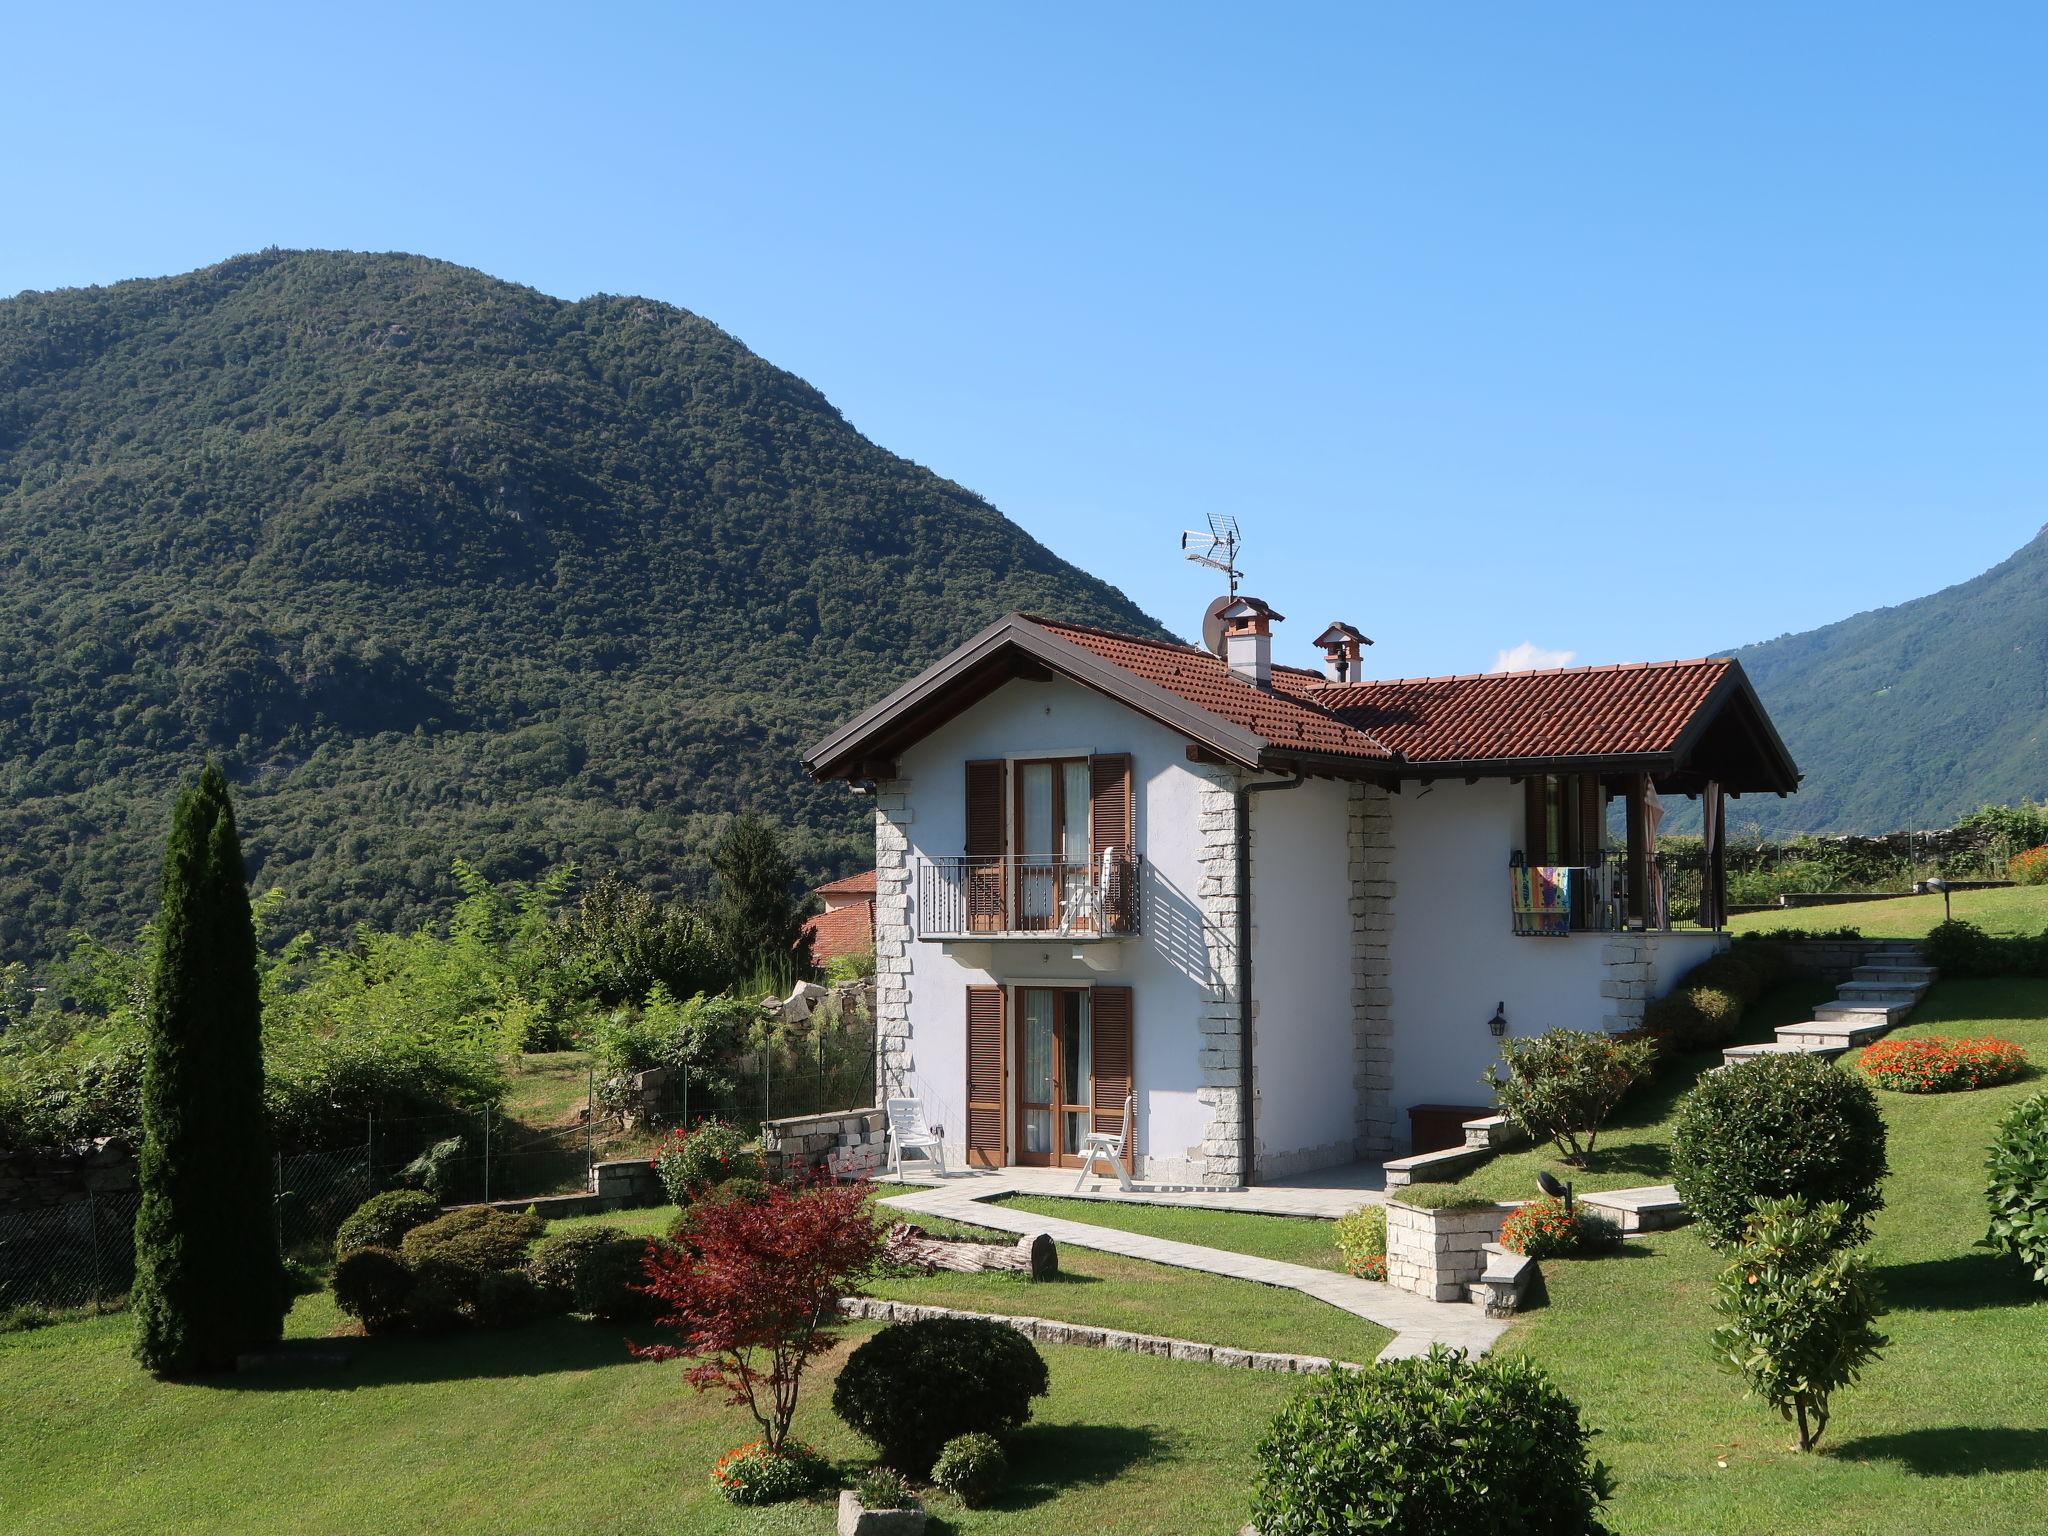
<point x="1897" y="975"/>
<point x="1737" y="1053"/>
<point x="1442" y="1167"/>
<point x="1833" y="1032"/>
<point x="1898" y="951"/>
<point x="1860" y="1013"/>
<point x="1505" y="1281"/>
<point x="1879" y="992"/>
<point x="1650" y="1208"/>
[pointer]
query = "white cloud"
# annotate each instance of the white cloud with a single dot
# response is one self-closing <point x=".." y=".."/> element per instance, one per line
<point x="1528" y="656"/>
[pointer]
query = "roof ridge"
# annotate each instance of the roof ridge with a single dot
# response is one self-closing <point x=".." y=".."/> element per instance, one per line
<point x="1163" y="645"/>
<point x="1473" y="677"/>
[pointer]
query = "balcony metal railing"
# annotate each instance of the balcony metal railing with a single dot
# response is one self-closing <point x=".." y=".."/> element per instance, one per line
<point x="990" y="897"/>
<point x="1552" y="900"/>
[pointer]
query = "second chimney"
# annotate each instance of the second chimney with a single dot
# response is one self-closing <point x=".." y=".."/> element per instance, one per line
<point x="1248" y="640"/>
<point x="1342" y="646"/>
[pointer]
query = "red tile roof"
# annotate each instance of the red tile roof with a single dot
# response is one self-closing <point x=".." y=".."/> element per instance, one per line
<point x="1641" y="708"/>
<point x="848" y="931"/>
<point x="862" y="884"/>
<point x="1282" y="716"/>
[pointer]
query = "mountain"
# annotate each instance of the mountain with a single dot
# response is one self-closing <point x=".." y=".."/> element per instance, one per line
<point x="1913" y="715"/>
<point x="440" y="565"/>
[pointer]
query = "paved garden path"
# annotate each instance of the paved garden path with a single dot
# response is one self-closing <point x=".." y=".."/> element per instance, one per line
<point x="1416" y="1323"/>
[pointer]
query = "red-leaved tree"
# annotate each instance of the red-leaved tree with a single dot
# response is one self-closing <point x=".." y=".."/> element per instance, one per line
<point x="752" y="1287"/>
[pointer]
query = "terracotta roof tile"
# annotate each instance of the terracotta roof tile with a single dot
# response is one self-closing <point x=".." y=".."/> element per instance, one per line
<point x="848" y="931"/>
<point x="862" y="884"/>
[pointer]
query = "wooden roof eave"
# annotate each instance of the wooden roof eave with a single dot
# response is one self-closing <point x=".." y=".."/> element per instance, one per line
<point x="1014" y="635"/>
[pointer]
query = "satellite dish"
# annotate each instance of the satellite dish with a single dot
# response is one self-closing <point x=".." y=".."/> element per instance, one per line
<point x="1212" y="625"/>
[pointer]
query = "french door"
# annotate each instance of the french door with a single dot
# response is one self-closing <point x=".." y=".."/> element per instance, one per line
<point x="1056" y="1086"/>
<point x="1051" y="842"/>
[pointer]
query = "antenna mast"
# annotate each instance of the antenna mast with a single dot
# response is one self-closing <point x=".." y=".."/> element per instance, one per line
<point x="1218" y="547"/>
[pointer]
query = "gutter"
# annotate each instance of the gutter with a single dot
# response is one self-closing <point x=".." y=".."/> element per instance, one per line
<point x="1246" y="1082"/>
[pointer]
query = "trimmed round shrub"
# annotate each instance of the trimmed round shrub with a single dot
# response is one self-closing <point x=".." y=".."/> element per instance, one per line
<point x="693" y="1160"/>
<point x="2017" y="1188"/>
<point x="558" y="1257"/>
<point x="1544" y="1229"/>
<point x="609" y="1280"/>
<point x="972" y="1468"/>
<point x="442" y="1295"/>
<point x="1423" y="1447"/>
<point x="1362" y="1242"/>
<point x="1693" y="1018"/>
<point x="475" y="1238"/>
<point x="372" y="1285"/>
<point x="1777" y="1126"/>
<point x="753" y="1474"/>
<point x="915" y="1386"/>
<point x="1936" y="1064"/>
<point x="506" y="1298"/>
<point x="383" y="1220"/>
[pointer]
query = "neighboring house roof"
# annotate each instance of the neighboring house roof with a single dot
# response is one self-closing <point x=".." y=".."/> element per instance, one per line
<point x="846" y="930"/>
<point x="1684" y="721"/>
<point x="862" y="884"/>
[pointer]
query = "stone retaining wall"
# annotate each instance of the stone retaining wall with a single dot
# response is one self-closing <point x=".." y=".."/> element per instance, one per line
<point x="846" y="1143"/>
<point x="29" y="1182"/>
<point x="1439" y="1254"/>
<point x="1831" y="960"/>
<point x="1045" y="1331"/>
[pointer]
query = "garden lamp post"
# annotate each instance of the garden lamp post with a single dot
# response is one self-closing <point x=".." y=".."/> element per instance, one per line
<point x="1548" y="1183"/>
<point x="1941" y="886"/>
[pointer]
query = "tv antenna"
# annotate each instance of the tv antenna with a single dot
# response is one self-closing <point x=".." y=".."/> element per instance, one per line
<point x="1217" y="548"/>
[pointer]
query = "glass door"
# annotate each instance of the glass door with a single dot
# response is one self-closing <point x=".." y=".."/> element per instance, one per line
<point x="1051" y="845"/>
<point x="1055" y="1044"/>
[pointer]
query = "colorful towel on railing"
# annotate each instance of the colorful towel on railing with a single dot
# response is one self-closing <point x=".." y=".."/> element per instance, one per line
<point x="1542" y="898"/>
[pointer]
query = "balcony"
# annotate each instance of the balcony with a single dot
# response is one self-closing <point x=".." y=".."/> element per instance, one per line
<point x="978" y="899"/>
<point x="1559" y="899"/>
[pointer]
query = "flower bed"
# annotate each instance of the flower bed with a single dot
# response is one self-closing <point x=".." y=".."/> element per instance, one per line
<point x="1937" y="1064"/>
<point x="1546" y="1229"/>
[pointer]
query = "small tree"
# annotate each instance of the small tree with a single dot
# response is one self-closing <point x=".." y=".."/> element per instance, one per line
<point x="760" y="914"/>
<point x="1800" y="1310"/>
<point x="1561" y="1085"/>
<point x="209" y="1282"/>
<point x="752" y="1289"/>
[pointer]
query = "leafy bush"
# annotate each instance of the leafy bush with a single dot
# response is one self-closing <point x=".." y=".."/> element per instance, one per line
<point x="1800" y="1310"/>
<point x="691" y="1161"/>
<point x="2017" y="1187"/>
<point x="1560" y="1085"/>
<point x="2030" y="867"/>
<point x="1417" y="1446"/>
<point x="972" y="1467"/>
<point x="1843" y="934"/>
<point x="437" y="1170"/>
<point x="383" y="1220"/>
<point x="477" y="1239"/>
<point x="857" y="965"/>
<point x="1958" y="948"/>
<point x="1545" y="1229"/>
<point x="558" y="1258"/>
<point x="914" y="1386"/>
<point x="505" y="1298"/>
<point x="443" y="1294"/>
<point x="1693" y="1018"/>
<point x="1936" y="1064"/>
<point x="373" y="1286"/>
<point x="755" y="1473"/>
<point x="884" y="1488"/>
<point x="1362" y="1241"/>
<point x="699" y="1036"/>
<point x="1777" y="1126"/>
<point x="610" y="1281"/>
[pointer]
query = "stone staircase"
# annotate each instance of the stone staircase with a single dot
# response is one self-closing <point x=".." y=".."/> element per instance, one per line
<point x="1876" y="998"/>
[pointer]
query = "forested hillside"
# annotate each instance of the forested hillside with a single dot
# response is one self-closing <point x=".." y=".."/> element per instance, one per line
<point x="440" y="566"/>
<point x="1914" y="715"/>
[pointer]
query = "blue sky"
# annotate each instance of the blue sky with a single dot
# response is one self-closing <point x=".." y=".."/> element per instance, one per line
<point x="1622" y="331"/>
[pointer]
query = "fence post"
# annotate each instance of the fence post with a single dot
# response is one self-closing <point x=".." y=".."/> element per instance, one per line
<point x="277" y="1197"/>
<point x="92" y="1214"/>
<point x="370" y="1149"/>
<point x="487" y="1154"/>
<point x="767" y="1074"/>
<point x="590" y="1126"/>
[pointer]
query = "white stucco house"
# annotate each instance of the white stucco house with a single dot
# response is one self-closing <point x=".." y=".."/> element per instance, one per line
<point x="1283" y="910"/>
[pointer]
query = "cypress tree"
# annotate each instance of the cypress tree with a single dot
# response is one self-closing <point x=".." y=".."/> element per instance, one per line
<point x="209" y="1282"/>
<point x="761" y="912"/>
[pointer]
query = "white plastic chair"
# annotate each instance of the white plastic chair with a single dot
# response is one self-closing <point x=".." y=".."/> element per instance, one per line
<point x="1110" y="1148"/>
<point x="909" y="1133"/>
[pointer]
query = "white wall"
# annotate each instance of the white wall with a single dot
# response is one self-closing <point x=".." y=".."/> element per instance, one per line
<point x="1302" y="1047"/>
<point x="1166" y="966"/>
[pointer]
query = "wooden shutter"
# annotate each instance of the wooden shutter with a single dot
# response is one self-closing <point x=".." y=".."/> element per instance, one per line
<point x="985" y="1033"/>
<point x="1115" y="1060"/>
<point x="1109" y="803"/>
<point x="987" y="789"/>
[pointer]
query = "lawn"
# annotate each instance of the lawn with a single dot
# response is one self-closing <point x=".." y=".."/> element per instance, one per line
<point x="1948" y="1432"/>
<point x="2014" y="909"/>
<point x="1292" y="1239"/>
<point x="552" y="1428"/>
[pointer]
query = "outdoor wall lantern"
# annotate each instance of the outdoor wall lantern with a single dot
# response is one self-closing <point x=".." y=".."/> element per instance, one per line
<point x="1498" y="1024"/>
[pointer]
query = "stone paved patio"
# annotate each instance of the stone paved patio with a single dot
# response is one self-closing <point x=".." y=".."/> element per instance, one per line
<point x="1416" y="1323"/>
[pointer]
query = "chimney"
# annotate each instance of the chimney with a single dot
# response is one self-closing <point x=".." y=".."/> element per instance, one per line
<point x="1248" y="640"/>
<point x="1341" y="652"/>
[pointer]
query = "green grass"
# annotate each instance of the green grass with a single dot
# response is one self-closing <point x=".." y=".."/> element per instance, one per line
<point x="1292" y="1239"/>
<point x="1635" y="1145"/>
<point x="2015" y="909"/>
<point x="551" y="1428"/>
<point x="1948" y="1432"/>
<point x="1103" y="1290"/>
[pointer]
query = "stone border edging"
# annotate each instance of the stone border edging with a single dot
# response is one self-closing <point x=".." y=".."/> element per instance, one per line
<point x="1081" y="1336"/>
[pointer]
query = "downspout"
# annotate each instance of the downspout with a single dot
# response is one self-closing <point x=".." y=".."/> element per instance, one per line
<point x="1244" y="962"/>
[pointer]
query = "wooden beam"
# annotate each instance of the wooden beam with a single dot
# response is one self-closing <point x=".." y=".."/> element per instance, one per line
<point x="1638" y="850"/>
